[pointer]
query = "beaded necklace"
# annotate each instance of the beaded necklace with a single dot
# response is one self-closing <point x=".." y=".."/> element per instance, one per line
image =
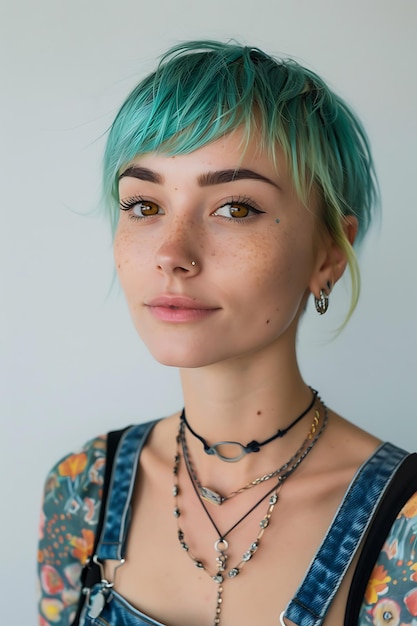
<point x="221" y="545"/>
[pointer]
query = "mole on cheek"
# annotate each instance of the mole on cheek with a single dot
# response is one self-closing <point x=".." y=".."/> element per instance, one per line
<point x="277" y="221"/>
<point x="267" y="321"/>
<point x="258" y="412"/>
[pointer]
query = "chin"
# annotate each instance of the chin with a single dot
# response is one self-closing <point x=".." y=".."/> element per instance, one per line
<point x="188" y="355"/>
<point x="179" y="361"/>
<point x="178" y="354"/>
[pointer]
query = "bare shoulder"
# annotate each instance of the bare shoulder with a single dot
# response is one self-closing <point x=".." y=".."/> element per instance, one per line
<point x="161" y="442"/>
<point x="339" y="453"/>
<point x="347" y="445"/>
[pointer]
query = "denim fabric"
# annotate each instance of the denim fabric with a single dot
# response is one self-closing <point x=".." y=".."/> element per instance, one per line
<point x="313" y="598"/>
<point x="113" y="540"/>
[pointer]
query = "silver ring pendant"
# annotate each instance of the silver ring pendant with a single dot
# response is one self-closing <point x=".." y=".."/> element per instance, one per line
<point x="223" y="543"/>
<point x="228" y="459"/>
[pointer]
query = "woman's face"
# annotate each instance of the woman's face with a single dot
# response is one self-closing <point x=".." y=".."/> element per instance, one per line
<point x="215" y="253"/>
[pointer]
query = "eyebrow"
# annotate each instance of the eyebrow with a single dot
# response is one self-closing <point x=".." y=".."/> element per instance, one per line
<point x="142" y="173"/>
<point x="228" y="176"/>
<point x="204" y="180"/>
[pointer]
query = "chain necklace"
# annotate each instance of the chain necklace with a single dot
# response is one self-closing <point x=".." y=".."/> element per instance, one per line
<point x="214" y="497"/>
<point x="252" y="446"/>
<point x="221" y="545"/>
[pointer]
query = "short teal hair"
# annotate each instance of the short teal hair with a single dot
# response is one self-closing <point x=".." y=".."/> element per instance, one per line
<point x="202" y="90"/>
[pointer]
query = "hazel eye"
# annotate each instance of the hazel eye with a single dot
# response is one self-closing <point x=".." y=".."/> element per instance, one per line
<point x="236" y="210"/>
<point x="145" y="209"/>
<point x="140" y="208"/>
<point x="239" y="210"/>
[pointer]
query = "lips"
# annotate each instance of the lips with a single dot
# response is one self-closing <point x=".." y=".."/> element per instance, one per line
<point x="173" y="308"/>
<point x="178" y="302"/>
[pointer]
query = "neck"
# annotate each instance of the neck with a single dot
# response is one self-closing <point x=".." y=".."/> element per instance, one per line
<point x="246" y="401"/>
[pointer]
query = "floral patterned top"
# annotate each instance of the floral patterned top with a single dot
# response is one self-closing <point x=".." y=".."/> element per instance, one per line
<point x="391" y="594"/>
<point x="69" y="517"/>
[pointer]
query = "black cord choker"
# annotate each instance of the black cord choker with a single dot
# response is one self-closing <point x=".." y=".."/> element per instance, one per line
<point x="252" y="446"/>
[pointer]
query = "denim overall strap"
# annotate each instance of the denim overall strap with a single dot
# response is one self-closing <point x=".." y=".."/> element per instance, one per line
<point x="355" y="513"/>
<point x="112" y="543"/>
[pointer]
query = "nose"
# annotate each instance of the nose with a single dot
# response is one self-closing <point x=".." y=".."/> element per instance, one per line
<point x="177" y="251"/>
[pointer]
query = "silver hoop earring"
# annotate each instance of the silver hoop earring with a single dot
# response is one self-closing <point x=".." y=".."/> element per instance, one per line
<point x="322" y="303"/>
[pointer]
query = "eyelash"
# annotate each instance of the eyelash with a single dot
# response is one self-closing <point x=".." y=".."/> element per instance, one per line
<point x="244" y="201"/>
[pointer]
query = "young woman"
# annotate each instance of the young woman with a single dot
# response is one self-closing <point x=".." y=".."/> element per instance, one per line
<point x="237" y="184"/>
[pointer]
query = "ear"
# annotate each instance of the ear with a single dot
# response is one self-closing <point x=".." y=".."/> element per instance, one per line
<point x="332" y="259"/>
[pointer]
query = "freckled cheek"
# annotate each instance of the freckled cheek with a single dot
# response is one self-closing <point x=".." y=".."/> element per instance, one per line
<point x="277" y="270"/>
<point x="120" y="252"/>
<point x="129" y="262"/>
<point x="130" y="277"/>
<point x="258" y="259"/>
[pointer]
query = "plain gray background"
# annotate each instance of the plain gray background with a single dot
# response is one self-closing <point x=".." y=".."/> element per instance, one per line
<point x="71" y="363"/>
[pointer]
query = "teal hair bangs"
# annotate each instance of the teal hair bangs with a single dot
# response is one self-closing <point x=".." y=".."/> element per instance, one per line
<point x="203" y="90"/>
